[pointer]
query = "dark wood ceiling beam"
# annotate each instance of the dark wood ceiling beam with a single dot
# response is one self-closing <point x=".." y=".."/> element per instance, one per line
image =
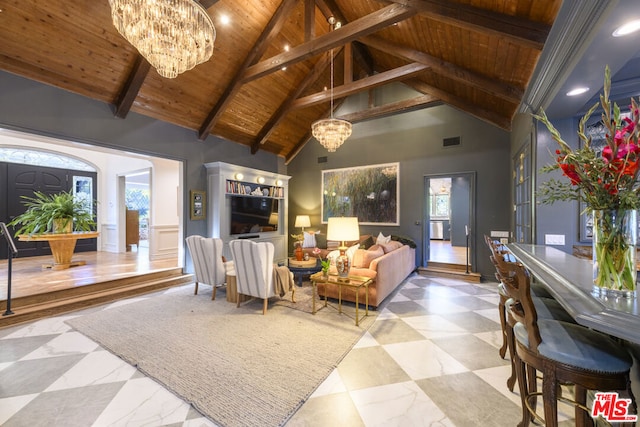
<point x="131" y="87"/>
<point x="462" y="104"/>
<point x="361" y="85"/>
<point x="308" y="135"/>
<point x="208" y="3"/>
<point x="417" y="103"/>
<point x="348" y="63"/>
<point x="393" y="108"/>
<point x="362" y="56"/>
<point x="447" y="69"/>
<point x="271" y="30"/>
<point x="517" y="30"/>
<point x="349" y="32"/>
<point x="285" y="107"/>
<point x="309" y="20"/>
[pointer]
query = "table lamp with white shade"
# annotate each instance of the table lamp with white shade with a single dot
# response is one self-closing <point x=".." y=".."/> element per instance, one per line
<point x="302" y="221"/>
<point x="343" y="229"/>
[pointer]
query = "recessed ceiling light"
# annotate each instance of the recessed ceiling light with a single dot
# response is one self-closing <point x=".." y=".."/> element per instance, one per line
<point x="224" y="19"/>
<point x="628" y="28"/>
<point x="577" y="91"/>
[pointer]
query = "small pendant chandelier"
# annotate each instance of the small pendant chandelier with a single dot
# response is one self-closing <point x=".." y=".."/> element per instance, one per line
<point x="173" y="35"/>
<point x="331" y="132"/>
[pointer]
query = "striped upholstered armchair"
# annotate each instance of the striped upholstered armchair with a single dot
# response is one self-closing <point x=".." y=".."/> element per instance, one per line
<point x="254" y="269"/>
<point x="208" y="263"/>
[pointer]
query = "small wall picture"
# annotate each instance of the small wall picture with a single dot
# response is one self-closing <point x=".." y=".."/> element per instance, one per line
<point x="198" y="206"/>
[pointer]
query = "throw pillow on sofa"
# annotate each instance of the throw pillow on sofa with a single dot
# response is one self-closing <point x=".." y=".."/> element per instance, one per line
<point x="391" y="246"/>
<point x="368" y="242"/>
<point x="309" y="240"/>
<point x="362" y="258"/>
<point x="382" y="239"/>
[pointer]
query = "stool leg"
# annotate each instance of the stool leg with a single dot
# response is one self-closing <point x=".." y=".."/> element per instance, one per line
<point x="503" y="324"/>
<point x="524" y="392"/>
<point x="580" y="396"/>
<point x="532" y="384"/>
<point x="550" y="395"/>
<point x="511" y="345"/>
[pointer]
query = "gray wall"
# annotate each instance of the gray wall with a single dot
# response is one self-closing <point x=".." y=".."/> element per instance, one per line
<point x="415" y="140"/>
<point x="33" y="107"/>
<point x="560" y="217"/>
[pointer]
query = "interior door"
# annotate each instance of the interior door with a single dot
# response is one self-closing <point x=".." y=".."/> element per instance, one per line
<point x="23" y="180"/>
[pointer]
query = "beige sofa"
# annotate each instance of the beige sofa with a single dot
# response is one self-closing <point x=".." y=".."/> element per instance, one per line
<point x="387" y="270"/>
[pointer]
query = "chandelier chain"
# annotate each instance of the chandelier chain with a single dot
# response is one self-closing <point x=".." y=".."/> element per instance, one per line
<point x="331" y="133"/>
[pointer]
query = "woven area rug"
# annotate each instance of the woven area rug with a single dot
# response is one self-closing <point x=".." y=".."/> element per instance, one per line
<point x="236" y="366"/>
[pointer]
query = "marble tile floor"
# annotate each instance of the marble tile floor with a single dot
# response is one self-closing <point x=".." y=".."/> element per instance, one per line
<point x="430" y="359"/>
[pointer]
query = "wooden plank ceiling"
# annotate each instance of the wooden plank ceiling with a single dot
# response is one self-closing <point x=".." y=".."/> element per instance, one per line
<point x="267" y="80"/>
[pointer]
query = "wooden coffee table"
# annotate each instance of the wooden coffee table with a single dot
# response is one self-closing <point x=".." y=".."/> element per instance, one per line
<point x="355" y="282"/>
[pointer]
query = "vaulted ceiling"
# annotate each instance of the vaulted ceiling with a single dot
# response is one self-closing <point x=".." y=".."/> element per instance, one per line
<point x="267" y="80"/>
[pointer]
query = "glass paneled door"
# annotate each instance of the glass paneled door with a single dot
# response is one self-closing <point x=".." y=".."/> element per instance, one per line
<point x="522" y="196"/>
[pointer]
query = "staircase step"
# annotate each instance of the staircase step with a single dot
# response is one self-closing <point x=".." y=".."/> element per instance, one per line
<point x="75" y="291"/>
<point x="456" y="273"/>
<point x="37" y="307"/>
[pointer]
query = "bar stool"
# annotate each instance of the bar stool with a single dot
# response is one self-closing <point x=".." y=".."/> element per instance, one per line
<point x="564" y="353"/>
<point x="495" y="247"/>
<point x="547" y="307"/>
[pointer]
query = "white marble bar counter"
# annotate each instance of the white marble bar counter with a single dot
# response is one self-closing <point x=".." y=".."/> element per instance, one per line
<point x="570" y="281"/>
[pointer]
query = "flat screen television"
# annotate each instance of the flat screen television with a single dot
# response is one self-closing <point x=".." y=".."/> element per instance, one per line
<point x="253" y="215"/>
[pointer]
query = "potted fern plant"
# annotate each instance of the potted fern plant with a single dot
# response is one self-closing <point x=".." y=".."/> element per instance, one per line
<point x="54" y="213"/>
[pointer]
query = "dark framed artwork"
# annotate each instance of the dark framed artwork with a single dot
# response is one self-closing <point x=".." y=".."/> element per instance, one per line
<point x="370" y="193"/>
<point x="198" y="205"/>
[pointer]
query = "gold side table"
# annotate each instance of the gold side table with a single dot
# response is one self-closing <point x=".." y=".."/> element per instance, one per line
<point x="355" y="282"/>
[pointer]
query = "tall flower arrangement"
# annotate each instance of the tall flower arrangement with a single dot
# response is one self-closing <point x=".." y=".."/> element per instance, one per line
<point x="606" y="181"/>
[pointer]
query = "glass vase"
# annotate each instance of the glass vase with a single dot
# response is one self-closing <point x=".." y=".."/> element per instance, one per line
<point x="614" y="253"/>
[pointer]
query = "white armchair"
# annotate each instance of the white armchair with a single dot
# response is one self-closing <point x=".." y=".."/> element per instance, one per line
<point x="206" y="254"/>
<point x="254" y="269"/>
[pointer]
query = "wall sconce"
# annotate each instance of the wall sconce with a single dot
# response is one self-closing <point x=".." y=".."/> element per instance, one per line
<point x="260" y="180"/>
<point x="238" y="176"/>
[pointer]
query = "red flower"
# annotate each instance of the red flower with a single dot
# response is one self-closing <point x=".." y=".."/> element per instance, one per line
<point x="570" y="172"/>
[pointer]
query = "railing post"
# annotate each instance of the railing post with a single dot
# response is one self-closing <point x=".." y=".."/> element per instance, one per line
<point x="12" y="251"/>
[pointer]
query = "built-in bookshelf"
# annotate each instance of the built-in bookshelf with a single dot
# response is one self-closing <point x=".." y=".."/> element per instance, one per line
<point x="231" y="186"/>
<point x="249" y="189"/>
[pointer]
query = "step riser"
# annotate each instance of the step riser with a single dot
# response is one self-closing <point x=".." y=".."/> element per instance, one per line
<point x="51" y="308"/>
<point x="79" y="291"/>
<point x="471" y="278"/>
<point x="447" y="266"/>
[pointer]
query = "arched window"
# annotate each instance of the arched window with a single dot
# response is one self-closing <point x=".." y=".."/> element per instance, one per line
<point x="42" y="158"/>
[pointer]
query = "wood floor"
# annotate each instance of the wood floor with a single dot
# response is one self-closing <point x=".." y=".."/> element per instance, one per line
<point x="442" y="251"/>
<point x="29" y="278"/>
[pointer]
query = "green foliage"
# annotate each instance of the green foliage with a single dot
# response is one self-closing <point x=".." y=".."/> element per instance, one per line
<point x="43" y="209"/>
<point x="326" y="264"/>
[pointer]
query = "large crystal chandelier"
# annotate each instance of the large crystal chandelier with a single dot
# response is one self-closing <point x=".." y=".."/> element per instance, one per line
<point x="173" y="35"/>
<point x="331" y="132"/>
